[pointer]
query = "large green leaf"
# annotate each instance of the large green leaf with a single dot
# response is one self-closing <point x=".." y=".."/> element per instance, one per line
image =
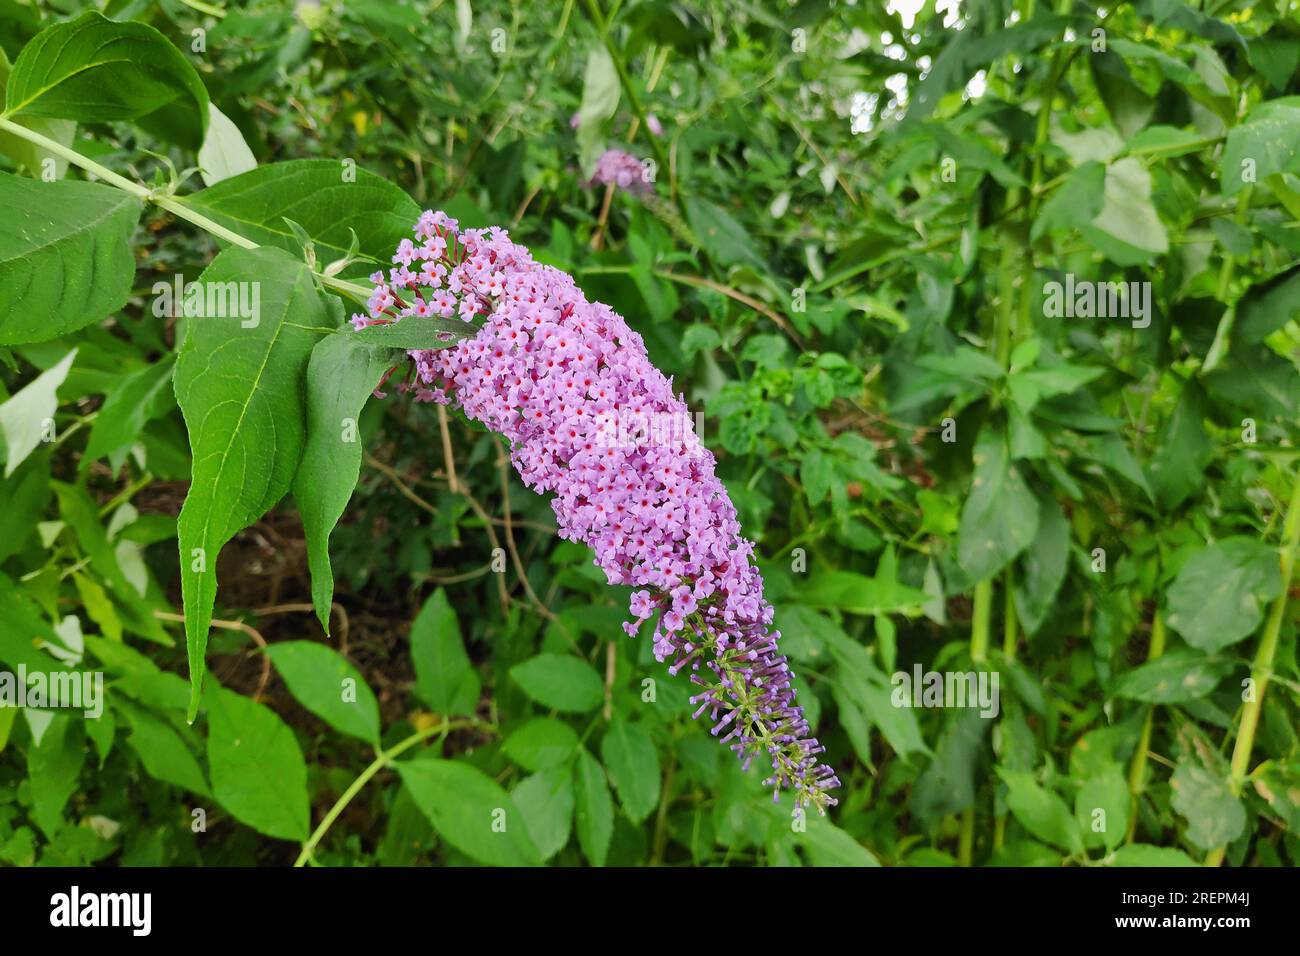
<point x="1000" y="517"/>
<point x="470" y="811"/>
<point x="258" y="773"/>
<point x="330" y="199"/>
<point x="341" y="375"/>
<point x="444" y="677"/>
<point x="65" y="256"/>
<point x="93" y="69"/>
<point x="327" y="684"/>
<point x="239" y="386"/>
<point x="1219" y="595"/>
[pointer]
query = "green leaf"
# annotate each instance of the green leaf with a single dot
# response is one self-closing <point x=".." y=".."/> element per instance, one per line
<point x="1040" y="811"/>
<point x="828" y="845"/>
<point x="1175" y="677"/>
<point x="65" y="256"/>
<point x="1267" y="141"/>
<point x="224" y="152"/>
<point x="600" y="95"/>
<point x="128" y="406"/>
<point x="341" y="375"/>
<point x="1177" y="468"/>
<point x="470" y="811"/>
<point x="1215" y="815"/>
<point x="416" y="332"/>
<point x="327" y="684"/>
<point x="444" y="677"/>
<point x="329" y="199"/>
<point x="1000" y="517"/>
<point x="1042" y="566"/>
<point x="594" y="810"/>
<point x="560" y="681"/>
<point x="1267" y="306"/>
<point x="27" y="418"/>
<point x="947" y="785"/>
<point x="1076" y="203"/>
<point x="93" y="69"/>
<point x="239" y="387"/>
<point x="630" y="758"/>
<point x="163" y="753"/>
<point x="1101" y="807"/>
<point x="545" y="800"/>
<point x="258" y="773"/>
<point x="53" y="767"/>
<point x="541" y="743"/>
<point x="36" y="159"/>
<point x="723" y="238"/>
<point x="1128" y="230"/>
<point x="1142" y="854"/>
<point x="1219" y="595"/>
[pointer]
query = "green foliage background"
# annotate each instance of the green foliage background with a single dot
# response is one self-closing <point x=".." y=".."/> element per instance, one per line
<point x="845" y="266"/>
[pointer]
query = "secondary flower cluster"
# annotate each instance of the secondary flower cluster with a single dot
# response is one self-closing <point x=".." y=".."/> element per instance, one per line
<point x="623" y="170"/>
<point x="549" y="371"/>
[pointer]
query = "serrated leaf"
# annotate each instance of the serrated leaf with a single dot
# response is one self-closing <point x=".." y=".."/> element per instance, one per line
<point x="240" y="391"/>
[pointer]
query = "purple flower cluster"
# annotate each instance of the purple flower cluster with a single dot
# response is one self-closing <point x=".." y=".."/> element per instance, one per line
<point x="623" y="170"/>
<point x="549" y="371"/>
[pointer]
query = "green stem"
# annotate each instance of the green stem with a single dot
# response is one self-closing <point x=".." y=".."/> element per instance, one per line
<point x="981" y="615"/>
<point x="384" y="758"/>
<point x="173" y="204"/>
<point x="1262" y="669"/>
<point x="1137" y="773"/>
